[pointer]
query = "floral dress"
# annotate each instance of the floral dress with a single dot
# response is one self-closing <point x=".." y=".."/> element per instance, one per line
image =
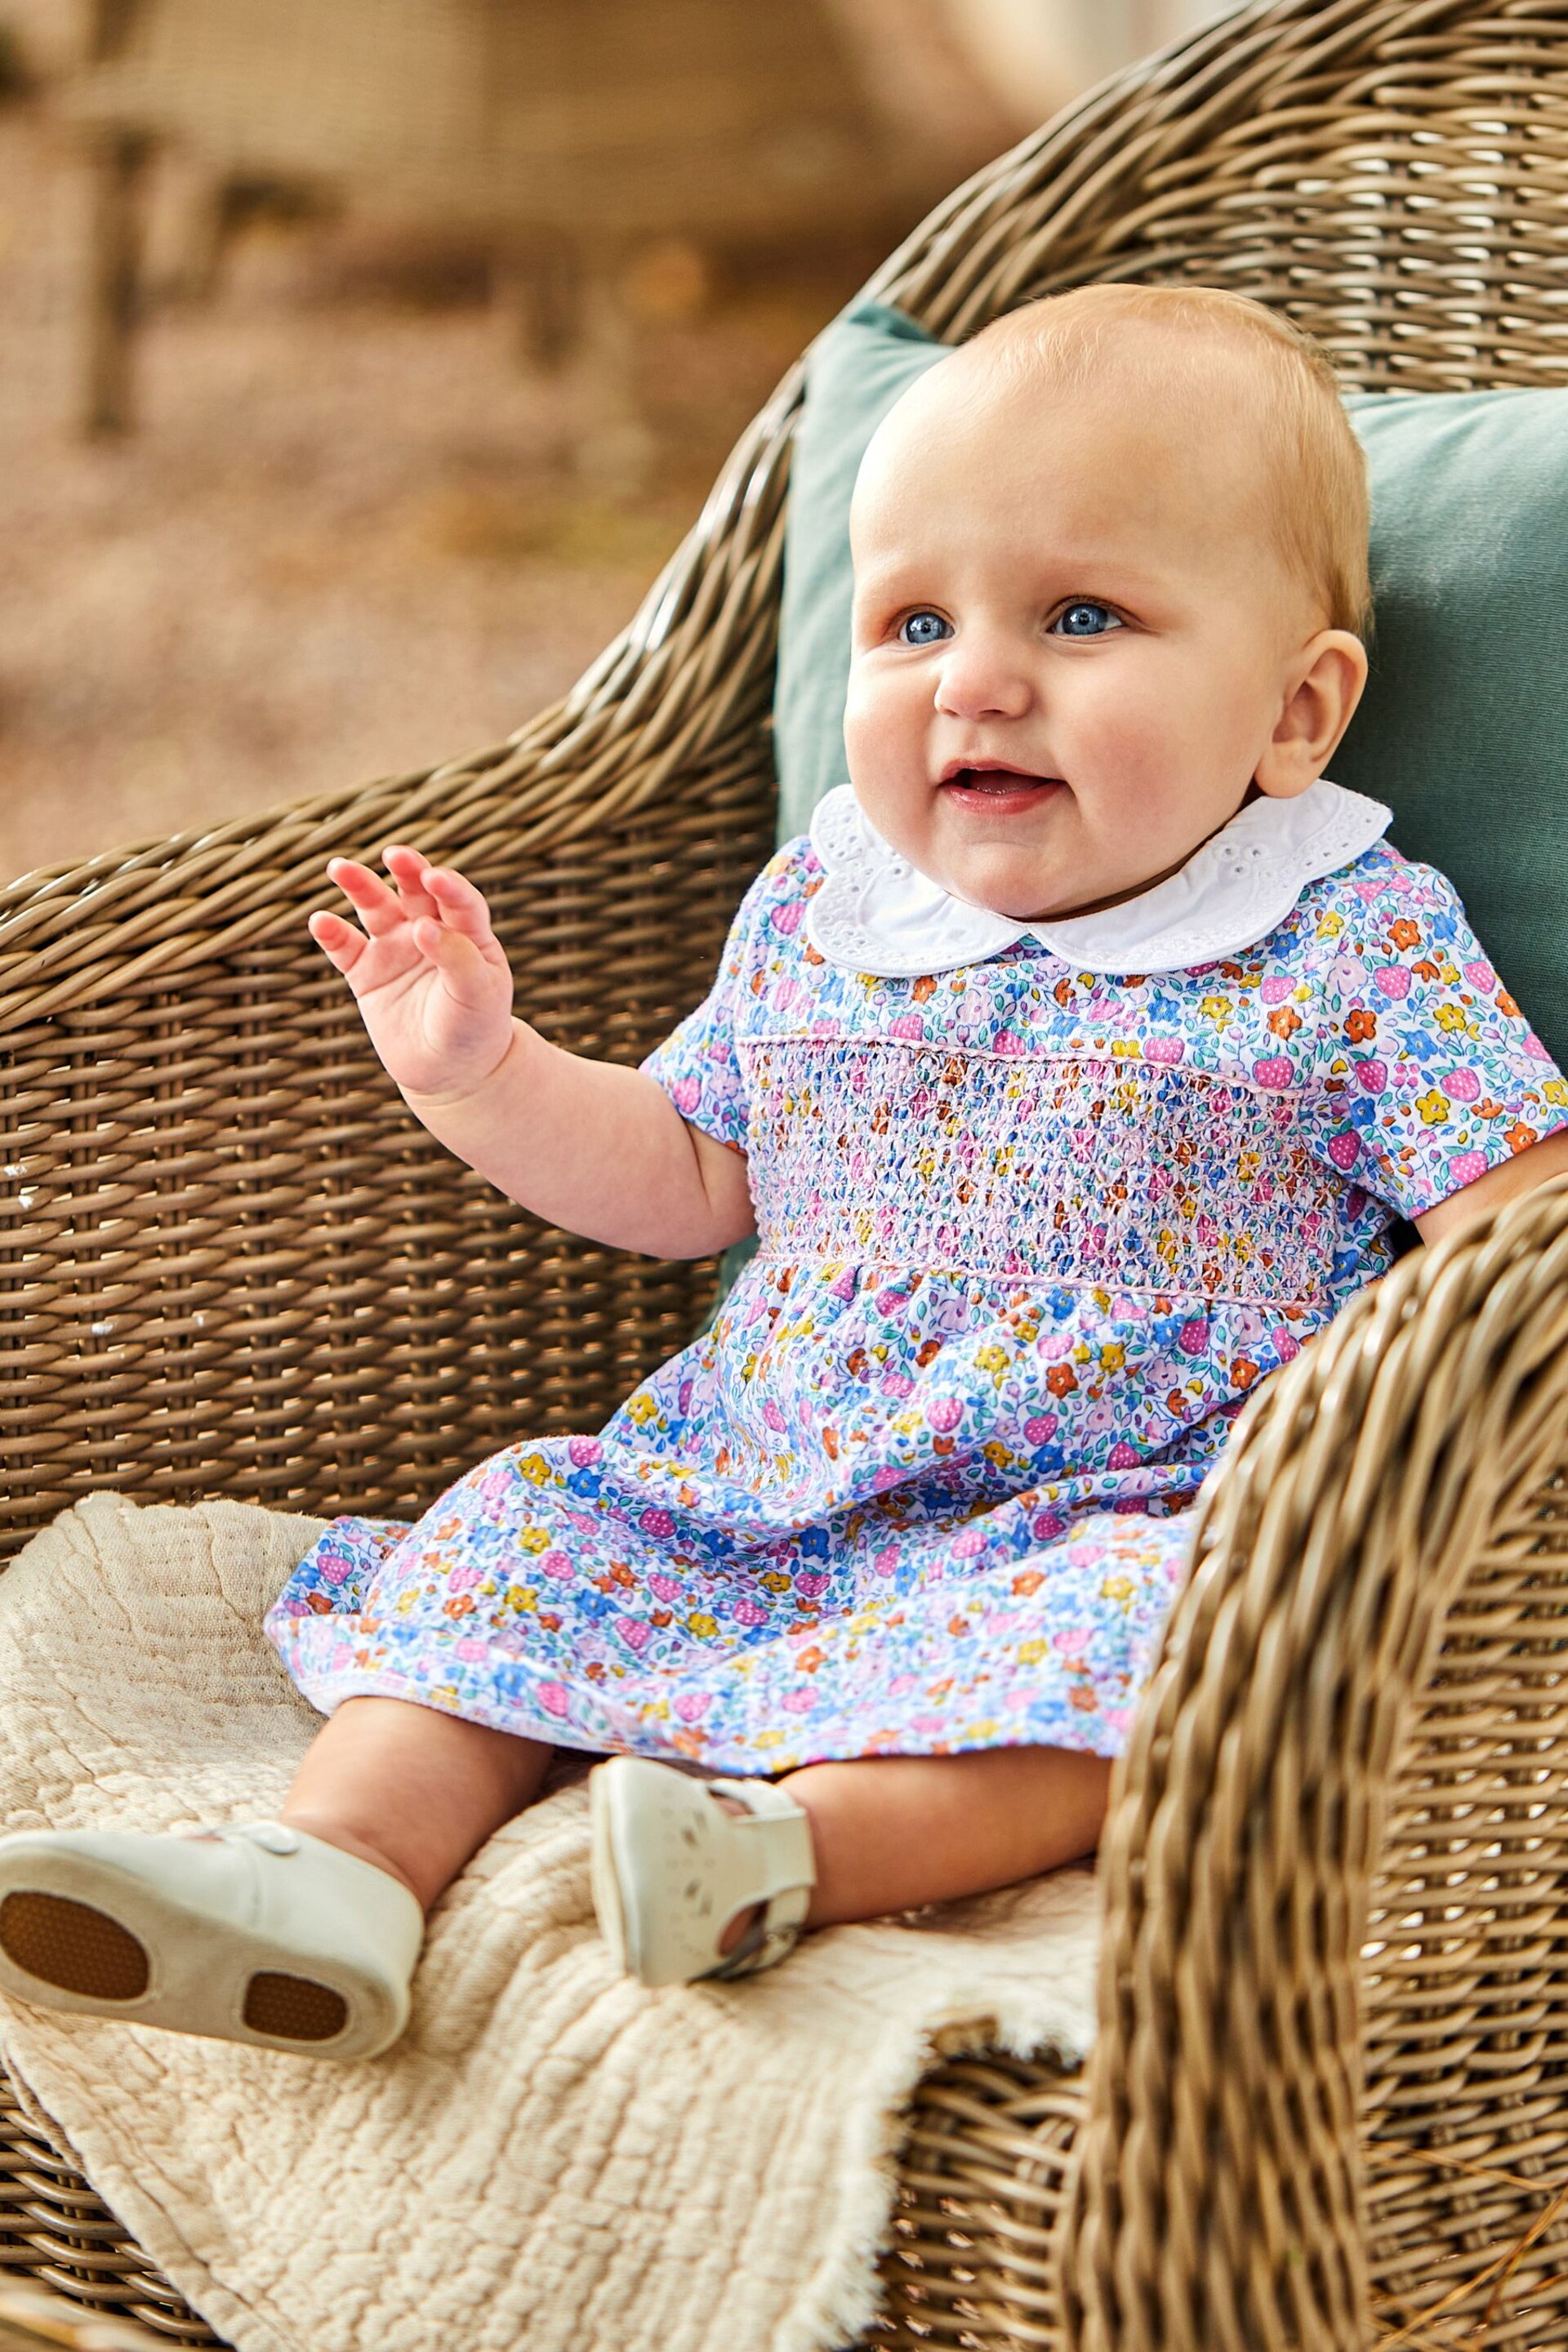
<point x="1029" y="1237"/>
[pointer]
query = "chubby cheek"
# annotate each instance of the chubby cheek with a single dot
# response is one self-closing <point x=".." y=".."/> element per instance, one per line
<point x="885" y="744"/>
<point x="1140" y="760"/>
<point x="1106" y="736"/>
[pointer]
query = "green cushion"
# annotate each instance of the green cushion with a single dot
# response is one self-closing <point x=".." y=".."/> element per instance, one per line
<point x="1464" y="727"/>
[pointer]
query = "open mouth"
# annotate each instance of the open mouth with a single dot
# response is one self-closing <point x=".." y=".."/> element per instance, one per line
<point x="999" y="787"/>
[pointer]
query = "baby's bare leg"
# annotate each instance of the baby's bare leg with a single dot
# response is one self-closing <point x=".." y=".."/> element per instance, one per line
<point x="891" y="1832"/>
<point x="411" y="1790"/>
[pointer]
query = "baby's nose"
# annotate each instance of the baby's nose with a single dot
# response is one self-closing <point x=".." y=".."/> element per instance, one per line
<point x="980" y="680"/>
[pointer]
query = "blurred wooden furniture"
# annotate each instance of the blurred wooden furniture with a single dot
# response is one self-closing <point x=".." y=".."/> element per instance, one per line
<point x="560" y="131"/>
<point x="1328" y="2104"/>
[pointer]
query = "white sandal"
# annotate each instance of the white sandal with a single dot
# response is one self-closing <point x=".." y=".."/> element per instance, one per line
<point x="672" y="1867"/>
<point x="253" y="1933"/>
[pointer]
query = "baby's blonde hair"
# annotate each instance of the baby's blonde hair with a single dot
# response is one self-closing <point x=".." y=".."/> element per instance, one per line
<point x="1316" y="472"/>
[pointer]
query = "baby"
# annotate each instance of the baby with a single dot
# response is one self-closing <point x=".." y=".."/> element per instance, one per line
<point x="1073" y="1073"/>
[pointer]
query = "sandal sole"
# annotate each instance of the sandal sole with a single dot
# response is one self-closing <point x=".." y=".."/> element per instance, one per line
<point x="62" y="1951"/>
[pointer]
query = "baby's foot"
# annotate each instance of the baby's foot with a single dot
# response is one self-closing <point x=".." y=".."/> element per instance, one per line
<point x="256" y="1932"/>
<point x="696" y="1878"/>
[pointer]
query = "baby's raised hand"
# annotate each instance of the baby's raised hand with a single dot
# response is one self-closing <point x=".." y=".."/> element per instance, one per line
<point x="429" y="975"/>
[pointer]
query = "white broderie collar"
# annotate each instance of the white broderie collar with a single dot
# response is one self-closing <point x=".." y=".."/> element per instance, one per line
<point x="876" y="914"/>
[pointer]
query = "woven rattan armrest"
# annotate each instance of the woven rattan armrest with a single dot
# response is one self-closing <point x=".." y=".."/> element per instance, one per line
<point x="231" y="1261"/>
<point x="1351" y="1763"/>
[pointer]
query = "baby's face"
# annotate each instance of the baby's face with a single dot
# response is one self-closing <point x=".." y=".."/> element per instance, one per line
<point x="1074" y="641"/>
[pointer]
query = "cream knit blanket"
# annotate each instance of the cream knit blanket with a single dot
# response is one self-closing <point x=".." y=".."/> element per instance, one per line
<point x="552" y="2160"/>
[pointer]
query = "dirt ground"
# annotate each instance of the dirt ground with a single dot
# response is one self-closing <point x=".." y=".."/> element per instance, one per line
<point x="352" y="533"/>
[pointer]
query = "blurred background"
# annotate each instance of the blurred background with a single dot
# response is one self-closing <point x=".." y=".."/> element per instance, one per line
<point x="362" y="361"/>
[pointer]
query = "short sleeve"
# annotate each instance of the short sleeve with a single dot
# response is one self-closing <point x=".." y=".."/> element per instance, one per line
<point x="1427" y="1072"/>
<point x="698" y="1065"/>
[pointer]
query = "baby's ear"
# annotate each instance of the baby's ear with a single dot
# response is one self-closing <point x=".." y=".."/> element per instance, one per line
<point x="1323" y="685"/>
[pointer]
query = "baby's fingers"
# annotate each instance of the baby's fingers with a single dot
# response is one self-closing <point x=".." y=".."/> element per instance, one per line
<point x="379" y="909"/>
<point x="466" y="973"/>
<point x="341" y="944"/>
<point x="461" y="906"/>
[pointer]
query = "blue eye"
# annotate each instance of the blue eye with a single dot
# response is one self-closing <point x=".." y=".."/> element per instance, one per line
<point x="923" y="629"/>
<point x="1085" y="619"/>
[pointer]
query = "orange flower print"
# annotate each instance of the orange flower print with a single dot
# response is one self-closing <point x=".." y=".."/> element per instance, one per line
<point x="809" y="1660"/>
<point x="1404" y="933"/>
<point x="1243" y="1371"/>
<point x="1360" y="1025"/>
<point x="1061" y="1380"/>
<point x="1518" y="1137"/>
<point x="1505" y="1004"/>
<point x="1286" y="1022"/>
<point x="460" y="1605"/>
<point x="923" y="987"/>
<point x="1029" y="1580"/>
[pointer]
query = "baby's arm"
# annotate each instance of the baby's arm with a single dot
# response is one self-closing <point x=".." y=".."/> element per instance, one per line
<point x="597" y="1149"/>
<point x="1508" y="1181"/>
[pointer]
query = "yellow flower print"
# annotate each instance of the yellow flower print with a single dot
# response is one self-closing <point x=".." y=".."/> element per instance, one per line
<point x="1118" y="1588"/>
<point x="1555" y="1091"/>
<point x="701" y="1625"/>
<point x="535" y="1469"/>
<point x="993" y="1360"/>
<point x="772" y="1581"/>
<point x="1452" y="1017"/>
<point x="1029" y="1653"/>
<point x="534" y="1539"/>
<point x="523" y="1597"/>
<point x="642" y="1409"/>
<point x="1218" y="1008"/>
<point x="1112" y="1355"/>
<point x="1329" y="925"/>
<point x="1433" y="1106"/>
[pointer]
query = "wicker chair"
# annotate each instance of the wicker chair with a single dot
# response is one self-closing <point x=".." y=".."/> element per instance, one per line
<point x="1329" y="2104"/>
